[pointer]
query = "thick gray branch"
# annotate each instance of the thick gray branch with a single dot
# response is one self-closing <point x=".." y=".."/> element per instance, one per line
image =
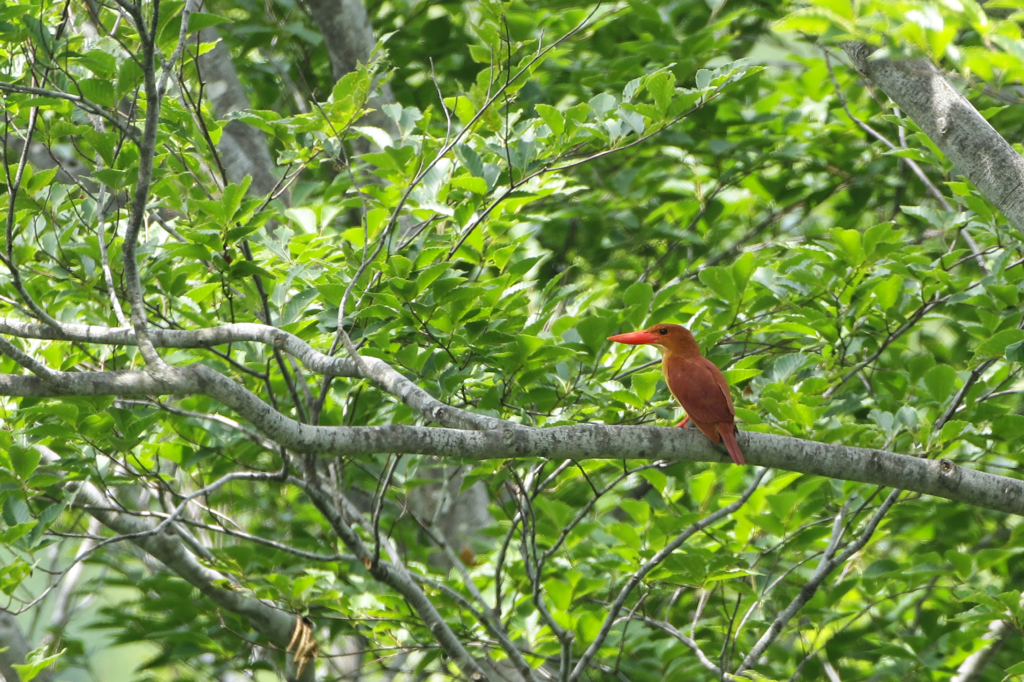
<point x="940" y="478"/>
<point x="167" y="547"/>
<point x="952" y="123"/>
<point x="348" y="35"/>
<point x="397" y="577"/>
<point x="380" y="372"/>
<point x="243" y="148"/>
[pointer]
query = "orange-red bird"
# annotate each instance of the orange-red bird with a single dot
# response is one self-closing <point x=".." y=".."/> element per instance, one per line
<point x="695" y="382"/>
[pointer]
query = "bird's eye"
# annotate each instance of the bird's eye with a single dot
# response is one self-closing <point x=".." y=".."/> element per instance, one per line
<point x="663" y="331"/>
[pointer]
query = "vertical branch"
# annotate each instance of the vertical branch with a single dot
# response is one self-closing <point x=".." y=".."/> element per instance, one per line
<point x="396" y="577"/>
<point x="147" y="153"/>
<point x="13" y="185"/>
<point x="108" y="275"/>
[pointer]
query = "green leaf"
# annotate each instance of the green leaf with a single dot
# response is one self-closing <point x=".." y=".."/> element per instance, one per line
<point x="469" y="159"/>
<point x="742" y="269"/>
<point x="849" y="244"/>
<point x="887" y="291"/>
<point x="35" y="665"/>
<point x="480" y="54"/>
<point x="638" y="295"/>
<point x="197" y="21"/>
<point x="528" y="345"/>
<point x="737" y="376"/>
<point x="331" y="293"/>
<point x="15" y="511"/>
<point x="996" y="345"/>
<point x="203" y="292"/>
<point x="602" y="104"/>
<point x="720" y="281"/>
<point x="425" y="278"/>
<point x="594" y="331"/>
<point x="952" y="430"/>
<point x="560" y="593"/>
<point x="400" y="266"/>
<point x="940" y="380"/>
<point x="662" y="88"/>
<point x="907" y="416"/>
<point x="1015" y="352"/>
<point x="16" y="532"/>
<point x="24" y="460"/>
<point x="1009" y="427"/>
<point x="552" y="117"/>
<point x="110" y="177"/>
<point x="962" y="563"/>
<point x="640" y="511"/>
<point x="1017" y="669"/>
<point x="98" y="90"/>
<point x="644" y="384"/>
<point x="245" y="268"/>
<point x="473" y="184"/>
<point x="786" y="365"/>
<point x="627" y="534"/>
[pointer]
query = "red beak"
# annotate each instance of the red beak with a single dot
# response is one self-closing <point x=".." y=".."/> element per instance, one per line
<point x="635" y="338"/>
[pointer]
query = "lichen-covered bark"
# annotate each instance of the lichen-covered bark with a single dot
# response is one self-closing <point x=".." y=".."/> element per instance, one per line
<point x="979" y="152"/>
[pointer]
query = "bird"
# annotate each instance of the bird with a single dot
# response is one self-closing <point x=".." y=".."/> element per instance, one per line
<point x="695" y="382"/>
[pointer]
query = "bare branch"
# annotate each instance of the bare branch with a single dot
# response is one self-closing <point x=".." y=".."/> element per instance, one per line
<point x="940" y="478"/>
<point x="168" y="548"/>
<point x="691" y="644"/>
<point x="378" y="371"/>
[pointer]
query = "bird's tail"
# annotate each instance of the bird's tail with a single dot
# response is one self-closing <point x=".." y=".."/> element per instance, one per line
<point x="727" y="432"/>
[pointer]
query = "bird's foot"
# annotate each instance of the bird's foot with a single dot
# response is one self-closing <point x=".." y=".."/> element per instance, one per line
<point x="682" y="424"/>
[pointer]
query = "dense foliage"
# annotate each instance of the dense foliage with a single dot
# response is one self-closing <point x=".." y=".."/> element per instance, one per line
<point x="547" y="174"/>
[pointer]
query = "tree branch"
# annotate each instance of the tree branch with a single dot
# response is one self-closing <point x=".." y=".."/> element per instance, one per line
<point x="376" y="370"/>
<point x="941" y="478"/>
<point x="952" y="123"/>
<point x="276" y="624"/>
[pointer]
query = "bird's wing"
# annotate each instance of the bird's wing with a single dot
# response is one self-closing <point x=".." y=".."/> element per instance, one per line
<point x="700" y="388"/>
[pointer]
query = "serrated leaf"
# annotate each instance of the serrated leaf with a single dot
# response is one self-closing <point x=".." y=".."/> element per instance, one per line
<point x="644" y="384"/>
<point x="662" y="87"/>
<point x="996" y="345"/>
<point x="552" y="117"/>
<point x="98" y="90"/>
<point x="720" y="281"/>
<point x="602" y="104"/>
<point x="1009" y="426"/>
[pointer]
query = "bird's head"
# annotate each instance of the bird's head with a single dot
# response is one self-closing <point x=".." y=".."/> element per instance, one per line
<point x="670" y="338"/>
